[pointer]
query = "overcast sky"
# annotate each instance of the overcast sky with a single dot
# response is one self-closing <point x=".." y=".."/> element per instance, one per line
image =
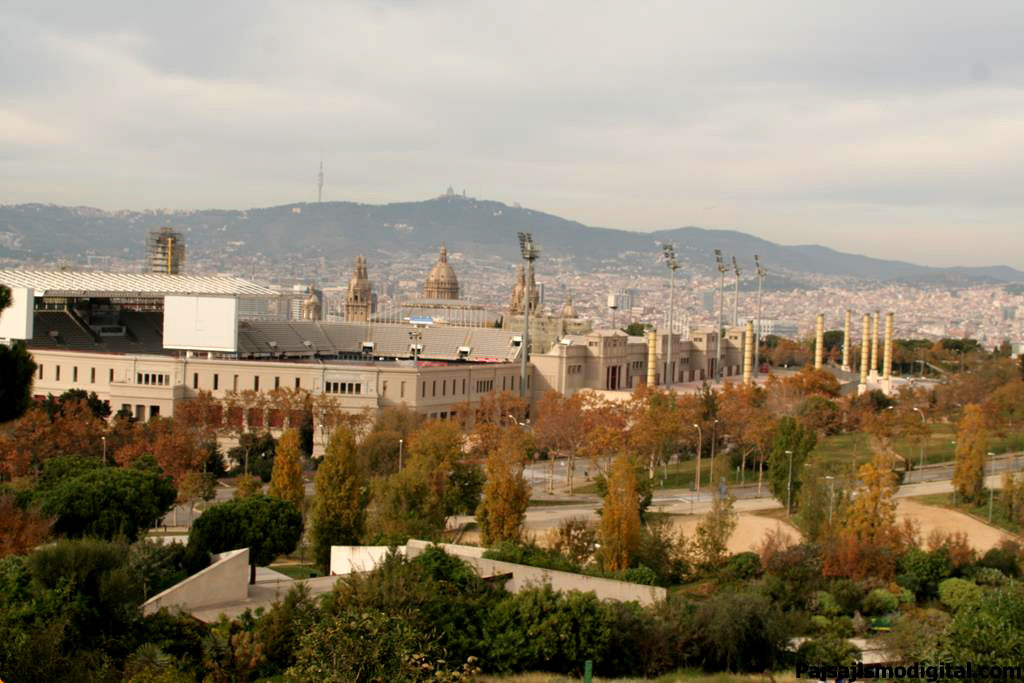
<point x="894" y="129"/>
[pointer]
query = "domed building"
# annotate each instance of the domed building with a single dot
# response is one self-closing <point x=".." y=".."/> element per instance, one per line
<point x="441" y="283"/>
<point x="359" y="300"/>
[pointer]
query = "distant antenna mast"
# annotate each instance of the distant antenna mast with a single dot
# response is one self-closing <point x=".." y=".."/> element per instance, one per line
<point x="320" y="183"/>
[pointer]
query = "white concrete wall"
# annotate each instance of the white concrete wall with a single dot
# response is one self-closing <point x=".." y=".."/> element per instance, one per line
<point x="225" y="580"/>
<point x="524" y="576"/>
<point x="346" y="559"/>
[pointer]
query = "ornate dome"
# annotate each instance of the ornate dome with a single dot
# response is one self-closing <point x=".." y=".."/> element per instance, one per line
<point x="442" y="283"/>
<point x="568" y="311"/>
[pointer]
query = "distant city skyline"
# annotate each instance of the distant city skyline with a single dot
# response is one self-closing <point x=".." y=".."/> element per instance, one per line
<point x="889" y="131"/>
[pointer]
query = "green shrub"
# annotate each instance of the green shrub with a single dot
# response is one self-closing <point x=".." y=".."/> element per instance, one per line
<point x="740" y="631"/>
<point x="1005" y="558"/>
<point x="988" y="576"/>
<point x="823" y="603"/>
<point x="530" y="554"/>
<point x="959" y="593"/>
<point x="742" y="567"/>
<point x="848" y="594"/>
<point x="991" y="631"/>
<point x="827" y="649"/>
<point x="922" y="571"/>
<point x="542" y="630"/>
<point x="880" y="601"/>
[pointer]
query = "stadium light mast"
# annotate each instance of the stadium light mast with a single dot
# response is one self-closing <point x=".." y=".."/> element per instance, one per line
<point x="530" y="253"/>
<point x="721" y="301"/>
<point x="668" y="255"/>
<point x="736" y="294"/>
<point x="761" y="272"/>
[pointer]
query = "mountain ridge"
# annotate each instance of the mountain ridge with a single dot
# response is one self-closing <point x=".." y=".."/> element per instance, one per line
<point x="474" y="226"/>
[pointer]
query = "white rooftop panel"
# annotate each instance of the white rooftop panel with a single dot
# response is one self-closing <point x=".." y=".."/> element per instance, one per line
<point x="73" y="283"/>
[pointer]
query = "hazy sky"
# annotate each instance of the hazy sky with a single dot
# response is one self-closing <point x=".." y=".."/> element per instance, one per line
<point x="887" y="128"/>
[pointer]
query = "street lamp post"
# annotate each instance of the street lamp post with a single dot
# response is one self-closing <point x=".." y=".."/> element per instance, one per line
<point x="789" y="485"/>
<point x="736" y="294"/>
<point x="104" y="440"/>
<point x="714" y="440"/>
<point x="668" y="254"/>
<point x="921" y="445"/>
<point x="761" y="272"/>
<point x="700" y="447"/>
<point x="530" y="253"/>
<point x="721" y="300"/>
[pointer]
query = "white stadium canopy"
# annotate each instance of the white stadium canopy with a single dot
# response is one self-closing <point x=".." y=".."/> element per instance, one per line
<point x="59" y="283"/>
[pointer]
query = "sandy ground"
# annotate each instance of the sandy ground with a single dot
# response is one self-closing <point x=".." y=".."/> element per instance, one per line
<point x="751" y="530"/>
<point x="929" y="517"/>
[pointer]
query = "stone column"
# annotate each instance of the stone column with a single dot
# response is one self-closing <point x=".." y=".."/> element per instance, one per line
<point x="819" y="342"/>
<point x="887" y="361"/>
<point x="873" y="372"/>
<point x="748" y="353"/>
<point x="846" y="341"/>
<point x="652" y="357"/>
<point x="864" y="350"/>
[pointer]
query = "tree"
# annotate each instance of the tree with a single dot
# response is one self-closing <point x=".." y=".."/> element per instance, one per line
<point x="635" y="329"/>
<point x="268" y="527"/>
<point x="108" y="502"/>
<point x="711" y="537"/>
<point x="174" y="445"/>
<point x="17" y="369"/>
<point x="790" y="448"/>
<point x="255" y="454"/>
<point x="971" y="449"/>
<point x="21" y="529"/>
<point x="656" y="425"/>
<point x="620" y="518"/>
<point x="339" y="506"/>
<point x="506" y="495"/>
<point x="196" y="486"/>
<point x="286" y="480"/>
<point x="416" y="502"/>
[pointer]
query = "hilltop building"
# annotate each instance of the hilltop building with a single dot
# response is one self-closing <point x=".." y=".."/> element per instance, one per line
<point x="441" y="283"/>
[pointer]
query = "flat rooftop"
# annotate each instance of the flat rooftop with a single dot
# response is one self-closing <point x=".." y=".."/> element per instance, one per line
<point x="60" y="283"/>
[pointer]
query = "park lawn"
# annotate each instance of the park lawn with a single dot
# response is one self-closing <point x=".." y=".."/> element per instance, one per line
<point x="1000" y="519"/>
<point x="841" y="450"/>
<point x="681" y="475"/>
<point x="296" y="571"/>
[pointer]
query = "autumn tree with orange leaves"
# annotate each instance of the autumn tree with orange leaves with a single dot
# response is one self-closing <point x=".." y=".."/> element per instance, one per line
<point x="506" y="495"/>
<point x="621" y="527"/>
<point x="971" y="449"/>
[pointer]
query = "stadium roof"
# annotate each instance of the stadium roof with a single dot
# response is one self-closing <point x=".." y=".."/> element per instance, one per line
<point x="95" y="284"/>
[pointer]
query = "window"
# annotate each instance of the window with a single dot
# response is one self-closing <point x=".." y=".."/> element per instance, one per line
<point x="234" y="383"/>
<point x="74" y="373"/>
<point x="56" y="374"/>
<point x="92" y="375"/>
<point x="463" y="385"/>
<point x="433" y="388"/>
<point x="126" y="408"/>
<point x="503" y="383"/>
<point x="277" y="382"/>
<point x="40" y="371"/>
<point x="444" y="387"/>
<point x="298" y="383"/>
<point x="384" y="388"/>
<point x="111" y="377"/>
<point x="140" y="412"/>
<point x="401" y="390"/>
<point x="423" y="391"/>
<point x="256" y="383"/>
<point x="216" y="381"/>
<point x="195" y="380"/>
<point x="359" y="388"/>
<point x="154" y="411"/>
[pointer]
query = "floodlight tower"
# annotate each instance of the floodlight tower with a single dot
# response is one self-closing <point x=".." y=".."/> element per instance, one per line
<point x="721" y="300"/>
<point x="320" y="183"/>
<point x="530" y="253"/>
<point x="668" y="254"/>
<point x="761" y="272"/>
<point x="736" y="294"/>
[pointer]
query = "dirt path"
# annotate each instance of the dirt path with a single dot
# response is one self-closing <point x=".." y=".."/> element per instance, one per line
<point x="751" y="530"/>
<point x="930" y="517"/>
